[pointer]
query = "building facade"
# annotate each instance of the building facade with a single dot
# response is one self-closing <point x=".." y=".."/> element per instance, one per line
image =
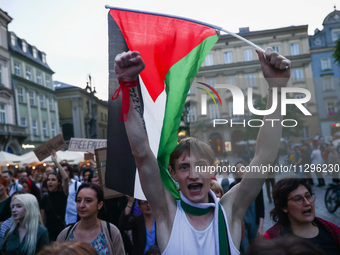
<point x="11" y="135"/>
<point x="82" y="114"/>
<point x="234" y="62"/>
<point x="326" y="73"/>
<point x="35" y="101"/>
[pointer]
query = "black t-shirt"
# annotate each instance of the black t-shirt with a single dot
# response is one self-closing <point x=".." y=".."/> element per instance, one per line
<point x="54" y="205"/>
<point x="325" y="242"/>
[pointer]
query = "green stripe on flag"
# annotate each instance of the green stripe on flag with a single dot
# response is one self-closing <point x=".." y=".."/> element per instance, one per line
<point x="178" y="81"/>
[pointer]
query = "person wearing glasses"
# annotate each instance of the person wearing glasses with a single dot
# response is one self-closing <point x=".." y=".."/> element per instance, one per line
<point x="294" y="214"/>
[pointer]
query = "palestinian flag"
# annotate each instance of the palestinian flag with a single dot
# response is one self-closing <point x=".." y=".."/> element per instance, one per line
<point x="173" y="50"/>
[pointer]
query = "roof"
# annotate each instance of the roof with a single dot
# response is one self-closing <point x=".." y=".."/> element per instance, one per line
<point x="62" y="85"/>
<point x="332" y="18"/>
<point x="29" y="52"/>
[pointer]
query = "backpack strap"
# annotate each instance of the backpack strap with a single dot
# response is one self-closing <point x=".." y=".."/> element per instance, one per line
<point x="109" y="229"/>
<point x="75" y="186"/>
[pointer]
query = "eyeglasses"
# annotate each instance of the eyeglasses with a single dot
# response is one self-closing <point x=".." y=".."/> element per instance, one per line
<point x="298" y="199"/>
<point x="143" y="202"/>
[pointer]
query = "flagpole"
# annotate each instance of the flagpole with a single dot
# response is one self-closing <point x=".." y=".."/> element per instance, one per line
<point x="244" y="40"/>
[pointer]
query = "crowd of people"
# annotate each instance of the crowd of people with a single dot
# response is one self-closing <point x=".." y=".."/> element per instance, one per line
<point x="57" y="211"/>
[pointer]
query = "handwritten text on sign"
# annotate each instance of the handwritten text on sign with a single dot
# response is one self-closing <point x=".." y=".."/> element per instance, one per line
<point x="89" y="145"/>
<point x="56" y="143"/>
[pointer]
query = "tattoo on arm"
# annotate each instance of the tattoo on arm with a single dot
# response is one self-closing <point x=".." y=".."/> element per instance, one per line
<point x="137" y="106"/>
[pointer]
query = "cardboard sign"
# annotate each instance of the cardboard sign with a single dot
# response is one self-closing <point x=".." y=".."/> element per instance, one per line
<point x="101" y="167"/>
<point x="89" y="156"/>
<point x="88" y="145"/>
<point x="56" y="143"/>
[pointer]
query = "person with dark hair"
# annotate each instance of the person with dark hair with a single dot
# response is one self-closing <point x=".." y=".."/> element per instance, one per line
<point x="12" y="185"/>
<point x="87" y="172"/>
<point x="101" y="235"/>
<point x="196" y="222"/>
<point x="143" y="226"/>
<point x="294" y="213"/>
<point x="5" y="201"/>
<point x="53" y="205"/>
<point x="291" y="245"/>
<point x="29" y="187"/>
<point x="254" y="217"/>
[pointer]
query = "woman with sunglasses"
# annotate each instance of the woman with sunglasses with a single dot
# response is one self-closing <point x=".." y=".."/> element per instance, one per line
<point x="294" y="214"/>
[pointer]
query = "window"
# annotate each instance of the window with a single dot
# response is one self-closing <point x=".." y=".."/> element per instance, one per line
<point x="35" y="127"/>
<point x="13" y="39"/>
<point x="51" y="103"/>
<point x="276" y="48"/>
<point x="101" y="116"/>
<point x="3" y="113"/>
<point x="0" y="74"/>
<point x="44" y="127"/>
<point x="192" y="114"/>
<point x="214" y="112"/>
<point x="306" y="132"/>
<point x="297" y="75"/>
<point x="23" y="122"/>
<point x="331" y="107"/>
<point x="44" y="58"/>
<point x="231" y="80"/>
<point x="48" y="82"/>
<point x="24" y="46"/>
<point x="248" y="55"/>
<point x="228" y="57"/>
<point x="299" y="96"/>
<point x="335" y="34"/>
<point x="42" y="101"/>
<point x="21" y="95"/>
<point x="35" y="53"/>
<point x="251" y="81"/>
<point x="209" y="60"/>
<point x="32" y="98"/>
<point x="17" y="69"/>
<point x="39" y="78"/>
<point x="325" y="64"/>
<point x="327" y="83"/>
<point x="53" y="130"/>
<point x="294" y="49"/>
<point x="28" y="73"/>
<point x="230" y="106"/>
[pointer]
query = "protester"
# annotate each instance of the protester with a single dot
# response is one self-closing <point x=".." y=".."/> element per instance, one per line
<point x="53" y="205"/>
<point x="29" y="187"/>
<point x="305" y="161"/>
<point x="48" y="170"/>
<point x="254" y="217"/>
<point x="68" y="248"/>
<point x="143" y="226"/>
<point x="216" y="188"/>
<point x="317" y="160"/>
<point x="291" y="245"/>
<point x="179" y="227"/>
<point x="7" y="223"/>
<point x="38" y="179"/>
<point x="72" y="186"/>
<point x="333" y="162"/>
<point x="27" y="235"/>
<point x="294" y="213"/>
<point x="86" y="173"/>
<point x="12" y="185"/>
<point x="101" y="235"/>
<point x="5" y="201"/>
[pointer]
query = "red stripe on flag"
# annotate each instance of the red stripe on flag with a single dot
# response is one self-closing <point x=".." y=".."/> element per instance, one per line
<point x="161" y="41"/>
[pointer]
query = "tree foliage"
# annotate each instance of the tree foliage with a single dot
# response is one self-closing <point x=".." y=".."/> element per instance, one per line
<point x="336" y="54"/>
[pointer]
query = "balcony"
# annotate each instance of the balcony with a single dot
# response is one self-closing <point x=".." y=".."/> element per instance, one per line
<point x="12" y="130"/>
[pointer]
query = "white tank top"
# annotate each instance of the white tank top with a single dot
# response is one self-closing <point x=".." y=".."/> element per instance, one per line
<point x="186" y="240"/>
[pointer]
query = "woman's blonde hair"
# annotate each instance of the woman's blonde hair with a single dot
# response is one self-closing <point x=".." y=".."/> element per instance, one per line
<point x="214" y="185"/>
<point x="31" y="221"/>
<point x="68" y="248"/>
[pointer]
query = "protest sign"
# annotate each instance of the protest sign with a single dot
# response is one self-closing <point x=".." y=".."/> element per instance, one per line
<point x="56" y="143"/>
<point x="101" y="167"/>
<point x="88" y="145"/>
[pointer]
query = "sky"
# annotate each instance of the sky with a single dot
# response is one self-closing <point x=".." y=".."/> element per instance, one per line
<point x="74" y="33"/>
